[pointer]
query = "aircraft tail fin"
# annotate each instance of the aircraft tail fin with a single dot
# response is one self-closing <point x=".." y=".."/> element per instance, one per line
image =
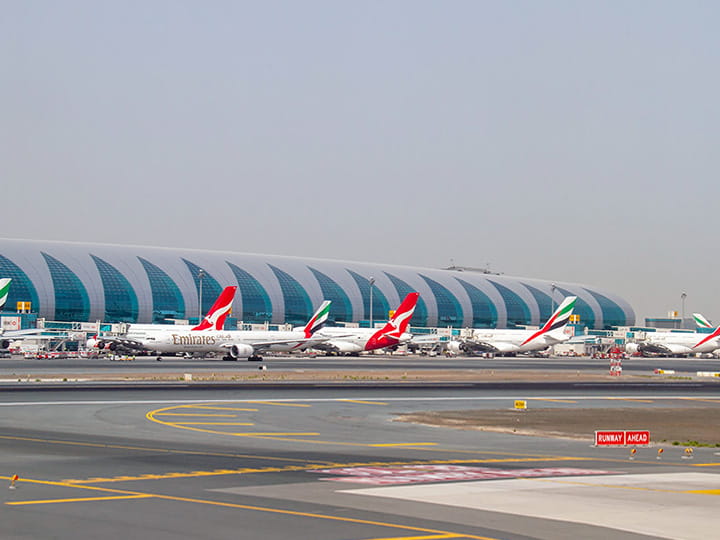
<point x="557" y="320"/>
<point x="701" y="321"/>
<point x="4" y="290"/>
<point x="398" y="323"/>
<point x="215" y="318"/>
<point x="318" y="320"/>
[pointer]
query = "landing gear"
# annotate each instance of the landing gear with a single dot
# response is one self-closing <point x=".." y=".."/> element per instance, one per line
<point x="255" y="358"/>
<point x="228" y="358"/>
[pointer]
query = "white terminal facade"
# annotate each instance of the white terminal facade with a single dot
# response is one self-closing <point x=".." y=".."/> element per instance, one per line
<point x="87" y="282"/>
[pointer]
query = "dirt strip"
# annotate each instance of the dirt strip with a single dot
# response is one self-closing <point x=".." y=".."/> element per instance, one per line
<point x="698" y="423"/>
<point x="273" y="374"/>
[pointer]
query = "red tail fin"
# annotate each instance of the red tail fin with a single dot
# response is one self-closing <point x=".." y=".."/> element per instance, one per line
<point x="393" y="330"/>
<point x="215" y="319"/>
<point x="399" y="322"/>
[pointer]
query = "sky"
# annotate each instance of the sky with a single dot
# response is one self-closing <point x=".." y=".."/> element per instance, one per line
<point x="561" y="140"/>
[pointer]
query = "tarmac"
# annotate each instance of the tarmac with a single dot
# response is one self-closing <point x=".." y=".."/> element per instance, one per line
<point x="315" y="461"/>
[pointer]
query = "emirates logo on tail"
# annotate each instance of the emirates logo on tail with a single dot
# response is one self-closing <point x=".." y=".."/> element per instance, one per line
<point x="318" y="320"/>
<point x="559" y="319"/>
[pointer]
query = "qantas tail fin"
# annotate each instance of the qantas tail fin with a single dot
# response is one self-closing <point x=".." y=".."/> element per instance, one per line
<point x="4" y="289"/>
<point x="557" y="320"/>
<point x="701" y="321"/>
<point x="215" y="319"/>
<point x="318" y="320"/>
<point x="398" y="323"/>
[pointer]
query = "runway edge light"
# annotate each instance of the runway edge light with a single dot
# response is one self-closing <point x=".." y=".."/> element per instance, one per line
<point x="14" y="478"/>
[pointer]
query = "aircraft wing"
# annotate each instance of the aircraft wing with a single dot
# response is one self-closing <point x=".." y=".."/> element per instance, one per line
<point x="488" y="347"/>
<point x="263" y="345"/>
<point x="114" y="343"/>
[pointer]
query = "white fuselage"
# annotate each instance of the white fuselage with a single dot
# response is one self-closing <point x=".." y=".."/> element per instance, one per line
<point x="207" y="341"/>
<point x="350" y="340"/>
<point x="681" y="343"/>
<point x="516" y="341"/>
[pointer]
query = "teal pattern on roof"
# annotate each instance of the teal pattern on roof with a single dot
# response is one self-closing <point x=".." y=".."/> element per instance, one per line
<point x="121" y="304"/>
<point x="71" y="298"/>
<point x="381" y="307"/>
<point x="211" y="289"/>
<point x="419" y="317"/>
<point x="256" y="304"/>
<point x="613" y="315"/>
<point x="518" y="312"/>
<point x="448" y="307"/>
<point x="21" y="288"/>
<point x="298" y="307"/>
<point x="484" y="311"/>
<point x="167" y="299"/>
<point x="545" y="303"/>
<point x="582" y="308"/>
<point x="341" y="307"/>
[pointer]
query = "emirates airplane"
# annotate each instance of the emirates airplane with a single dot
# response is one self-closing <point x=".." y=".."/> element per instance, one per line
<point x="353" y="341"/>
<point x="214" y="320"/>
<point x="676" y="343"/>
<point x="509" y="341"/>
<point x="235" y="344"/>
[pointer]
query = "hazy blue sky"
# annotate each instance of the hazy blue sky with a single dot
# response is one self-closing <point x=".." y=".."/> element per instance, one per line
<point x="572" y="141"/>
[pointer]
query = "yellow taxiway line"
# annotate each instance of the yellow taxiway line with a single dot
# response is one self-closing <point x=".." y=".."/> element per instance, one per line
<point x="122" y="494"/>
<point x="362" y="402"/>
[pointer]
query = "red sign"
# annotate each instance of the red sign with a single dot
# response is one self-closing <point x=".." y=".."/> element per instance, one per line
<point x="637" y="437"/>
<point x="609" y="438"/>
<point x="621" y="438"/>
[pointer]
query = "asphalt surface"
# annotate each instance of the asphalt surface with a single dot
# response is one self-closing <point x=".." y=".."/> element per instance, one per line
<point x="330" y="463"/>
<point x="19" y="365"/>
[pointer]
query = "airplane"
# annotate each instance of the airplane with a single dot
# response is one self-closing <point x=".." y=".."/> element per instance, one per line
<point x="512" y="341"/>
<point x="676" y="343"/>
<point x="353" y="341"/>
<point x="8" y="336"/>
<point x="235" y="344"/>
<point x="214" y="320"/>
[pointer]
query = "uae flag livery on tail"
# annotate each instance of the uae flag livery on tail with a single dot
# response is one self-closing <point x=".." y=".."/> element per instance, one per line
<point x="558" y="320"/>
<point x="4" y="290"/>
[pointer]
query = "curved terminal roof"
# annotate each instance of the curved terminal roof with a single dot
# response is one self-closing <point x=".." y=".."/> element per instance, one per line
<point x="89" y="282"/>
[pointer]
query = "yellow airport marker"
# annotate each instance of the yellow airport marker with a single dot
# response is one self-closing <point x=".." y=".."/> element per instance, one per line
<point x="520" y="405"/>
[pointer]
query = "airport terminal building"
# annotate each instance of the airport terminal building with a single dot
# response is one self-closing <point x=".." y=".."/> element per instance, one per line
<point x="101" y="282"/>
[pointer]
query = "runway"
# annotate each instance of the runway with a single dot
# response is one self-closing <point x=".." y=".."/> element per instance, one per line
<point x="328" y="463"/>
<point x="634" y="365"/>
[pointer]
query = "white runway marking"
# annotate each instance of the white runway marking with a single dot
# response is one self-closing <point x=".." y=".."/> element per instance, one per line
<point x="675" y="505"/>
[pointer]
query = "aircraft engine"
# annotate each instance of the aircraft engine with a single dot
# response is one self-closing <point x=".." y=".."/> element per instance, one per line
<point x="345" y="347"/>
<point x="241" y="350"/>
<point x="4" y="344"/>
<point x="455" y="347"/>
<point x="632" y="348"/>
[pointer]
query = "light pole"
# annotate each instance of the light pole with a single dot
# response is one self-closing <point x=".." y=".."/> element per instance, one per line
<point x="372" y="282"/>
<point x="683" y="296"/>
<point x="201" y="275"/>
